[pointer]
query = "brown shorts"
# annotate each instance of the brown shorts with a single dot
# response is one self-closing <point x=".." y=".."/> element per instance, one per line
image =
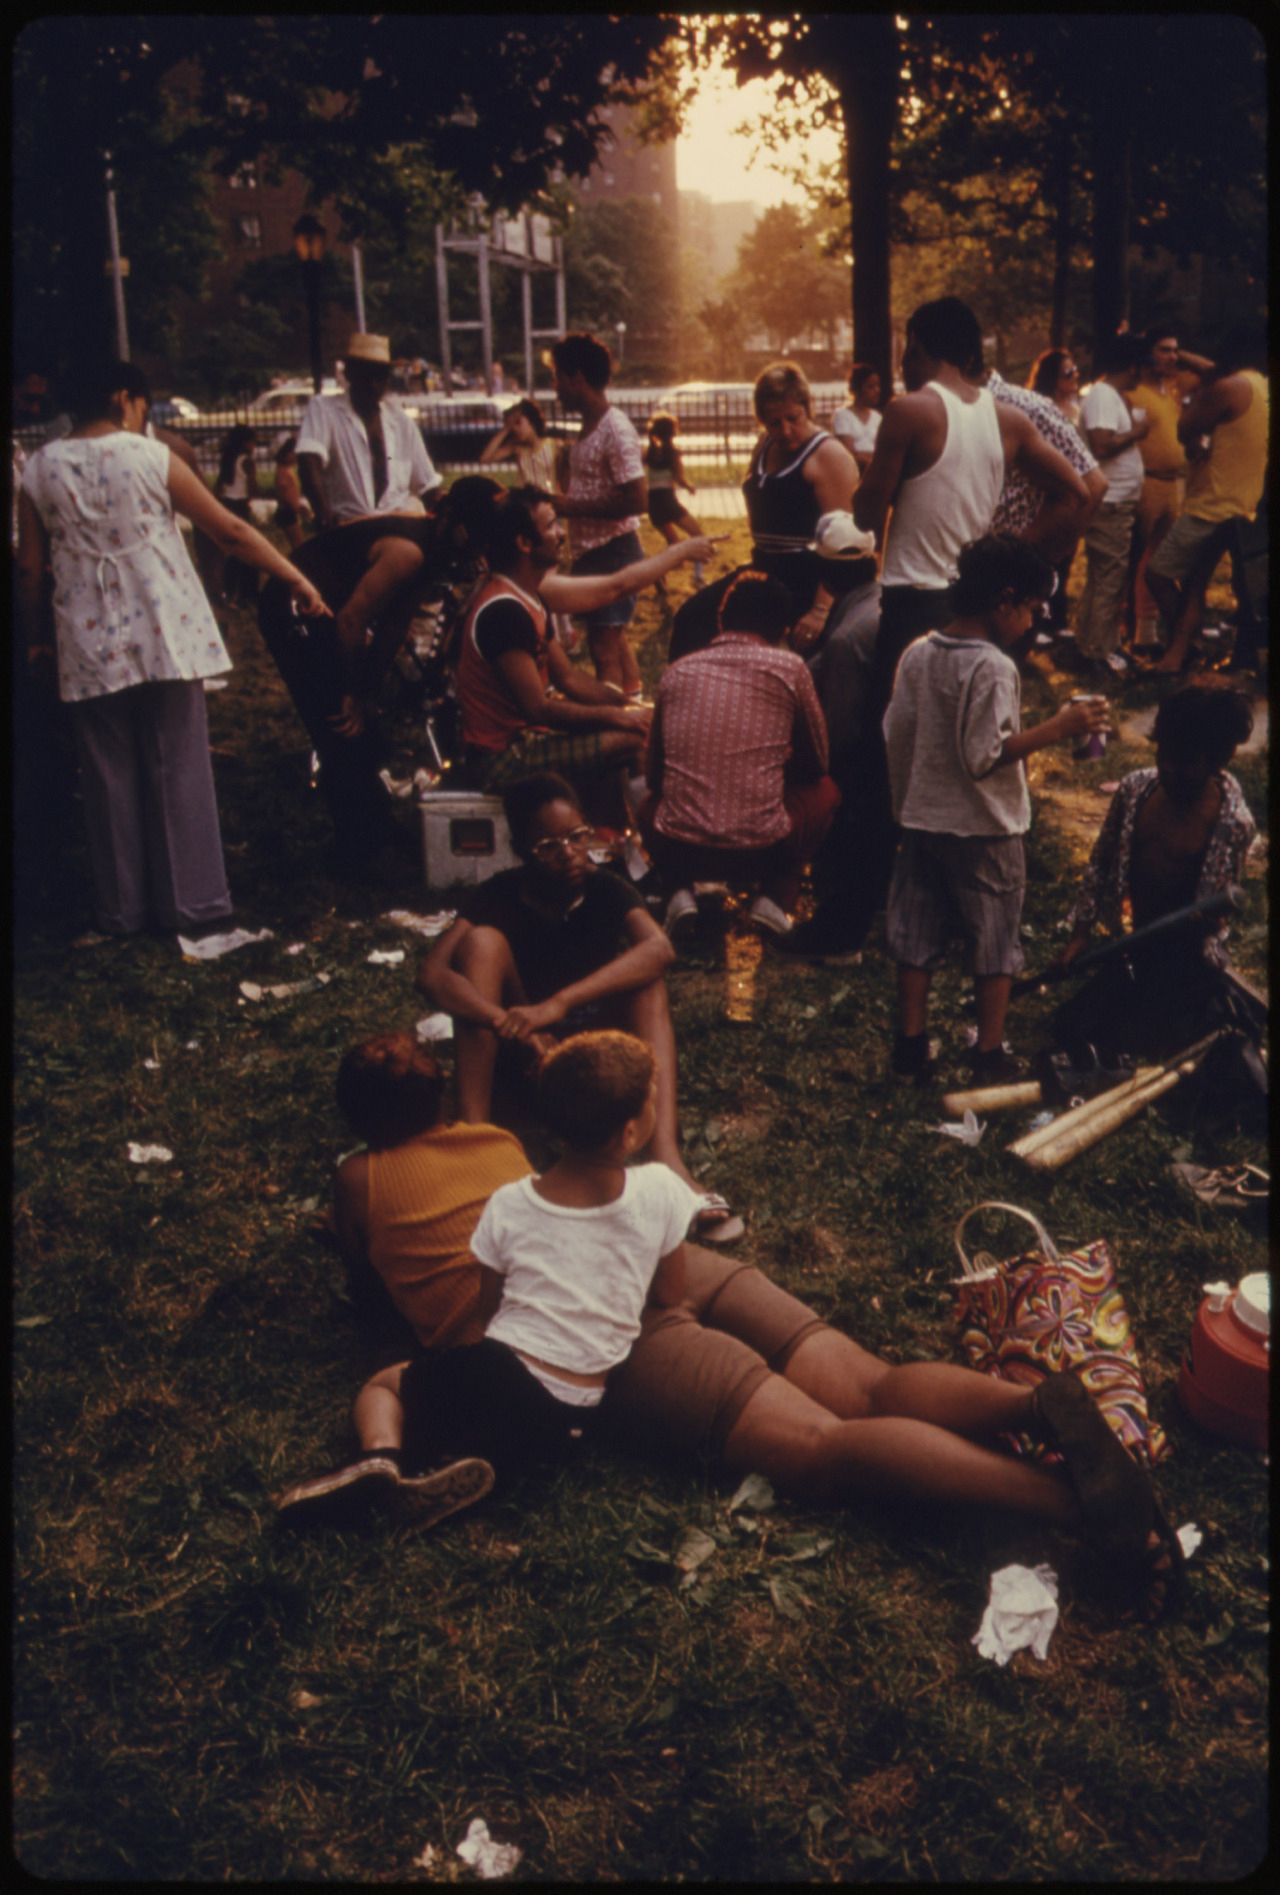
<point x="693" y="1369"/>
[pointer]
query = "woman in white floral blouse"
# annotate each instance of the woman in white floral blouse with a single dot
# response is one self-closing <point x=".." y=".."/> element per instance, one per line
<point x="135" y="640"/>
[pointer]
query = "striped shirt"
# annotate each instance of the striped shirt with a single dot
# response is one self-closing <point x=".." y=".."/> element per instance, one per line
<point x="728" y="719"/>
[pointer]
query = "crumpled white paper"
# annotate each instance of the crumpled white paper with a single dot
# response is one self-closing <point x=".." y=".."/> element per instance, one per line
<point x="385" y="957"/>
<point x="491" y="1858"/>
<point x="149" y="1155"/>
<point x="969" y="1130"/>
<point x="1022" y="1610"/>
<point x="215" y="945"/>
<point x="428" y="925"/>
<point x="1189" y="1538"/>
<point x="434" y="1026"/>
<point x="1040" y="1120"/>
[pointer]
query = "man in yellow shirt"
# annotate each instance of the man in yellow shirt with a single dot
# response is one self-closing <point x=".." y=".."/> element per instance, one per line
<point x="1224" y="431"/>
<point x="1170" y="376"/>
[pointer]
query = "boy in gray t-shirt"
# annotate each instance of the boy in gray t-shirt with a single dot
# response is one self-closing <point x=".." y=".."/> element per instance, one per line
<point x="955" y="749"/>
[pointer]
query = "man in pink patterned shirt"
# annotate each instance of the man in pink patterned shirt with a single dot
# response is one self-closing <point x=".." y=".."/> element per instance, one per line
<point x="605" y="493"/>
<point x="738" y="761"/>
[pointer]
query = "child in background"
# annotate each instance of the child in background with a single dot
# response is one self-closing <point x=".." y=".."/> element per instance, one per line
<point x="567" y="1262"/>
<point x="235" y="485"/>
<point x="523" y="438"/>
<point x="955" y="750"/>
<point x="664" y="470"/>
<point x="290" y="503"/>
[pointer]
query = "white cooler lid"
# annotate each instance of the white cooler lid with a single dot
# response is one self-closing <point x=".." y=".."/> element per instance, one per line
<point x="1253" y="1302"/>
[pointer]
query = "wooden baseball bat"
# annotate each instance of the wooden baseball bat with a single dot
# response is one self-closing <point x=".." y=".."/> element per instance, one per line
<point x="992" y="1098"/>
<point x="1069" y="1144"/>
<point x="1081" y="1114"/>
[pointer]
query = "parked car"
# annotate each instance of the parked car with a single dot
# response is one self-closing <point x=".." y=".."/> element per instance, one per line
<point x="292" y="394"/>
<point x="171" y="408"/>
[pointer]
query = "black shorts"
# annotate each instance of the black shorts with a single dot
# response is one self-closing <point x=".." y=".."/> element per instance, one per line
<point x="335" y="559"/>
<point x="664" y="506"/>
<point x="483" y="1400"/>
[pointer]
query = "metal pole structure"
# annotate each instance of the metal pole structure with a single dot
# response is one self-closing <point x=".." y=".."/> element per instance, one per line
<point x="442" y="304"/>
<point x="561" y="322"/>
<point x="486" y="315"/>
<point x="526" y="318"/>
<point x="357" y="271"/>
<point x="312" y="268"/>
<point x="117" y="275"/>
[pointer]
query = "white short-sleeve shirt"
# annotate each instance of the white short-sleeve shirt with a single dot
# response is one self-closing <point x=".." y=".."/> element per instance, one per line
<point x="859" y="436"/>
<point x="599" y="463"/>
<point x="333" y="431"/>
<point x="575" y="1281"/>
<point x="1103" y="407"/>
<point x="127" y="605"/>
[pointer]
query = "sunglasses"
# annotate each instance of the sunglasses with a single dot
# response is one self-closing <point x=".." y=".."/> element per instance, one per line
<point x="550" y="847"/>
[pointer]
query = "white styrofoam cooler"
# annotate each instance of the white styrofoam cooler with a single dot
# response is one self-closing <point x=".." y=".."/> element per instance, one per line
<point x="464" y="838"/>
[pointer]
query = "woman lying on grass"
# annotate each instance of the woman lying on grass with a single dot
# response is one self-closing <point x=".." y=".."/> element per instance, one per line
<point x="728" y="1364"/>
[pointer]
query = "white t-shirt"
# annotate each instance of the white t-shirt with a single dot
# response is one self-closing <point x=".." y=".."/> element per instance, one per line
<point x="333" y="431"/>
<point x="575" y="1281"/>
<point x="127" y="605"/>
<point x="858" y="435"/>
<point x="1103" y="407"/>
<point x="955" y="703"/>
<point x="599" y="463"/>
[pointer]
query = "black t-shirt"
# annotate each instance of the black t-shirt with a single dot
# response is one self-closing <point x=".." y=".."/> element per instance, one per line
<point x="502" y="624"/>
<point x="550" y="955"/>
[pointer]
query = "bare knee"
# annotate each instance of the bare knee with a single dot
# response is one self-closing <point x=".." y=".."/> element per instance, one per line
<point x="484" y="958"/>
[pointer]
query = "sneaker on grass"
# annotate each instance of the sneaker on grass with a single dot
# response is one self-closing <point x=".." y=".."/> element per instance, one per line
<point x="420" y="1500"/>
<point x="680" y="908"/>
<point x="998" y="1066"/>
<point x="342" y="1495"/>
<point x="764" y="913"/>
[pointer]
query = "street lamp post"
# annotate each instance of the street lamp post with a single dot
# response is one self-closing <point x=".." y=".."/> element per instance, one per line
<point x="309" y="242"/>
<point x="621" y="328"/>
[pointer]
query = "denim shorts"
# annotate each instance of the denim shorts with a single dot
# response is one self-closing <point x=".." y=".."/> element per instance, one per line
<point x="624" y="550"/>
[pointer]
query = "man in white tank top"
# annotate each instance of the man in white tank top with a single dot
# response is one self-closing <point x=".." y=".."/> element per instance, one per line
<point x="939" y="464"/>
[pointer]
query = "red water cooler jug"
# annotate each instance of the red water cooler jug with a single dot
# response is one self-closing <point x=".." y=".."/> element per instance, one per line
<point x="1226" y="1372"/>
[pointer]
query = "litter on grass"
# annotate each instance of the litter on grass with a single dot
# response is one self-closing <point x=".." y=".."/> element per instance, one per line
<point x="756" y="1493"/>
<point x="428" y="925"/>
<point x="493" y="1859"/>
<point x="284" y="991"/>
<point x="1022" y="1611"/>
<point x="1040" y="1120"/>
<point x="149" y="1154"/>
<point x="297" y="947"/>
<point x="969" y="1130"/>
<point x="434" y="1026"/>
<point x="151" y="1065"/>
<point x="215" y="684"/>
<point x="385" y="957"/>
<point x="1189" y="1538"/>
<point x="215" y="945"/>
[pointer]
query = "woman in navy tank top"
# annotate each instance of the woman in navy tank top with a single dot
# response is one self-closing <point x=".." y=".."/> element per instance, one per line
<point x="798" y="472"/>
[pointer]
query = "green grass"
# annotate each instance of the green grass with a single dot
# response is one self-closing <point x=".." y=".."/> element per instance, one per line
<point x="197" y="1698"/>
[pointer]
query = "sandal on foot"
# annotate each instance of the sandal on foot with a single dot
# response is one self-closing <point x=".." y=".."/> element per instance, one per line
<point x="715" y="1223"/>
<point x="1115" y="1494"/>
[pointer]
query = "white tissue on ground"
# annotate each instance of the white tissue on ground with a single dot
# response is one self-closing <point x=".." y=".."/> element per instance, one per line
<point x="479" y="1849"/>
<point x="428" y="925"/>
<point x="968" y="1130"/>
<point x="1022" y="1611"/>
<point x="385" y="957"/>
<point x="215" y="945"/>
<point x="434" y="1026"/>
<point x="149" y="1154"/>
<point x="1040" y="1120"/>
<point x="1189" y="1538"/>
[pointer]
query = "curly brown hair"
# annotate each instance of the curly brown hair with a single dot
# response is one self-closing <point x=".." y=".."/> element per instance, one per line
<point x="592" y="1085"/>
<point x="389" y="1089"/>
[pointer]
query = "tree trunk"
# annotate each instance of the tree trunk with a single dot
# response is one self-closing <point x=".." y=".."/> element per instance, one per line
<point x="863" y="67"/>
<point x="1110" y="155"/>
<point x="1060" y="199"/>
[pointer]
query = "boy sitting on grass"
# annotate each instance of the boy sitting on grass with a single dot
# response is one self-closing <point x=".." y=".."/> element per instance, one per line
<point x="955" y="750"/>
<point x="567" y="1262"/>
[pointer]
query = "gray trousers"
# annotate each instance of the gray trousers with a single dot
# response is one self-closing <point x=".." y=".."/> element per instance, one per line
<point x="1106" y="551"/>
<point x="150" y="813"/>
